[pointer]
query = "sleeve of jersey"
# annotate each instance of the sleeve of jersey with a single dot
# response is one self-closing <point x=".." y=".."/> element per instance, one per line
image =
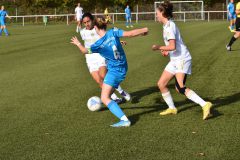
<point x="171" y="33"/>
<point x="118" y="32"/>
<point x="93" y="49"/>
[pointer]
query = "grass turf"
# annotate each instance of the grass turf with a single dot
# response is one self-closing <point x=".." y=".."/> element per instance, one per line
<point x="45" y="85"/>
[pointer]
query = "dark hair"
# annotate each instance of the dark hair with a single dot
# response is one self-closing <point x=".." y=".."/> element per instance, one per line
<point x="167" y="9"/>
<point x="89" y="15"/>
<point x="100" y="22"/>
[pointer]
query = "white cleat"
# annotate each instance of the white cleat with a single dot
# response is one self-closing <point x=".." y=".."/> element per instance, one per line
<point x="121" y="124"/>
<point x="126" y="96"/>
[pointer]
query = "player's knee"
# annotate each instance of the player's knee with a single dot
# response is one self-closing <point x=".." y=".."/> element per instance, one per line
<point x="181" y="90"/>
<point x="161" y="85"/>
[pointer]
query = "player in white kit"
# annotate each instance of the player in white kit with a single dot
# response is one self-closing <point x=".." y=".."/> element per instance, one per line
<point x="180" y="63"/>
<point x="78" y="16"/>
<point x="95" y="62"/>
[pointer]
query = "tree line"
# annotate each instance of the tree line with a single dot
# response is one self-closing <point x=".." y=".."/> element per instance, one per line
<point x="33" y="6"/>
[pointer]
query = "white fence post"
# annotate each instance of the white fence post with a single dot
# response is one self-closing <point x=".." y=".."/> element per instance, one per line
<point x="113" y="19"/>
<point x="67" y="20"/>
<point x="208" y="16"/>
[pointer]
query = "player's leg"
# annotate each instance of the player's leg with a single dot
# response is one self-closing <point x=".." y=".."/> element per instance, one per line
<point x="102" y="71"/>
<point x="190" y="94"/>
<point x="235" y="36"/>
<point x="5" y="30"/>
<point x="162" y="84"/>
<point x="127" y="22"/>
<point x="130" y="21"/>
<point x="110" y="81"/>
<point x="1" y="29"/>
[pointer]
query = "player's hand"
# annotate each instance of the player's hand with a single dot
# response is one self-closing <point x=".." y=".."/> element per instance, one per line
<point x="164" y="53"/>
<point x="155" y="47"/>
<point x="145" y="31"/>
<point x="75" y="41"/>
<point x="123" y="43"/>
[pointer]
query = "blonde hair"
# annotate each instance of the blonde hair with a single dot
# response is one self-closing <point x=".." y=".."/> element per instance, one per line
<point x="101" y="23"/>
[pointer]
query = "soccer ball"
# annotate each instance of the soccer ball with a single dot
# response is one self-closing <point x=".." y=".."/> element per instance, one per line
<point x="94" y="103"/>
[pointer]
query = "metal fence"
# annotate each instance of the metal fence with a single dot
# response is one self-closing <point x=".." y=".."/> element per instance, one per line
<point x="118" y="17"/>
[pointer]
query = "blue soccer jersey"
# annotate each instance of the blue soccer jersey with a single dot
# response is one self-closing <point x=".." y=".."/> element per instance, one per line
<point x="109" y="46"/>
<point x="128" y="12"/>
<point x="231" y="8"/>
<point x="3" y="14"/>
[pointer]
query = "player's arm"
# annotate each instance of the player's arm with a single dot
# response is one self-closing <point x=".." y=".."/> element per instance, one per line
<point x="136" y="32"/>
<point x="165" y="49"/>
<point x="8" y="16"/>
<point x="76" y="42"/>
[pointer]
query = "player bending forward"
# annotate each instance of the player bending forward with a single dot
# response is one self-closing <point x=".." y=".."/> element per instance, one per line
<point x="109" y="46"/>
<point x="180" y="63"/>
<point x="95" y="62"/>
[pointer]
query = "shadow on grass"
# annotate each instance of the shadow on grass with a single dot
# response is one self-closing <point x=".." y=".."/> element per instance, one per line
<point x="160" y="105"/>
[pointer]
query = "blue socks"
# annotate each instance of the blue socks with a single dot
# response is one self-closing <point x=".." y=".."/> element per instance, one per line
<point x="115" y="109"/>
<point x="0" y="32"/>
<point x="6" y="31"/>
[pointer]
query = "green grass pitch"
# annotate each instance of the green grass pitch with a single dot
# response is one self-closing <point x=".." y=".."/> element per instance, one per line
<point x="45" y="85"/>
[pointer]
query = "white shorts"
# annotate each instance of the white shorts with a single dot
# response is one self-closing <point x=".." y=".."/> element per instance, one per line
<point x="79" y="18"/>
<point x="95" y="61"/>
<point x="179" y="66"/>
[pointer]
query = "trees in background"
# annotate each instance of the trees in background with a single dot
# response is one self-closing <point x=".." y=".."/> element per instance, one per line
<point x="67" y="6"/>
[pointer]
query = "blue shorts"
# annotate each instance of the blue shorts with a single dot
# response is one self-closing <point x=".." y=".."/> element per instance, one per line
<point x="128" y="17"/>
<point x="2" y="22"/>
<point x="232" y="17"/>
<point x="114" y="78"/>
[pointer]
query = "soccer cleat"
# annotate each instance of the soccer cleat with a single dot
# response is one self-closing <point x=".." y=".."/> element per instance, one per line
<point x="131" y="26"/>
<point x="228" y="48"/>
<point x="119" y="100"/>
<point x="121" y="123"/>
<point x="127" y="26"/>
<point x="168" y="111"/>
<point x="206" y="110"/>
<point x="126" y="95"/>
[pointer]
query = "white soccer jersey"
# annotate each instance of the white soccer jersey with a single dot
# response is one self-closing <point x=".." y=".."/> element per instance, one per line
<point x="95" y="60"/>
<point x="170" y="31"/>
<point x="79" y="11"/>
<point x="89" y="37"/>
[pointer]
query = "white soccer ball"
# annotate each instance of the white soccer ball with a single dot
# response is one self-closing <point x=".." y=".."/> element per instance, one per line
<point x="94" y="103"/>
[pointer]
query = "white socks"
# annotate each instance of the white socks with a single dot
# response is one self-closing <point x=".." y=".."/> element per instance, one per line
<point x="119" y="89"/>
<point x="168" y="99"/>
<point x="195" y="98"/>
<point x="114" y="96"/>
<point x="124" y="118"/>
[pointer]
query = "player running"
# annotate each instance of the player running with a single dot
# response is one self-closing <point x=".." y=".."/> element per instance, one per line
<point x="95" y="62"/>
<point x="78" y="16"/>
<point x="128" y="17"/>
<point x="3" y="15"/>
<point x="237" y="33"/>
<point x="180" y="63"/>
<point x="109" y="47"/>
<point x="231" y="15"/>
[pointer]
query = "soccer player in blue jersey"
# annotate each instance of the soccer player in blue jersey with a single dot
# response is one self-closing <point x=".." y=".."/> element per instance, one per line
<point x="109" y="46"/>
<point x="231" y="15"/>
<point x="128" y="17"/>
<point x="3" y="15"/>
